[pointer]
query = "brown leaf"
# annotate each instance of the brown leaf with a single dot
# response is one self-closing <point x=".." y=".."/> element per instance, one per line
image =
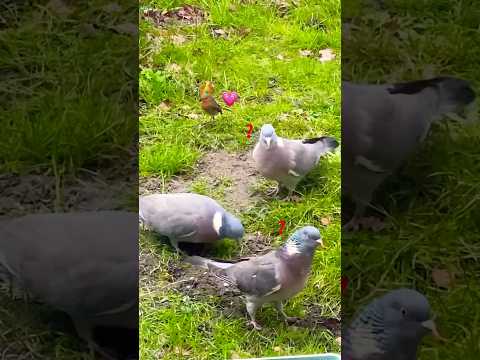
<point x="174" y="68"/>
<point x="443" y="278"/>
<point x="326" y="55"/>
<point x="165" y="105"/>
<point x="179" y="39"/>
<point x="277" y="349"/>
<point x="325" y="221"/>
<point x="217" y="33"/>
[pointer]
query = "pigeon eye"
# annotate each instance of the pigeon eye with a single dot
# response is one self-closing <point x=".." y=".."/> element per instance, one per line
<point x="404" y="312"/>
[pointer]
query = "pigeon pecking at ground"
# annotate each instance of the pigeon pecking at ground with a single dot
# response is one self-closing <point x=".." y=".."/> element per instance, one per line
<point x="273" y="277"/>
<point x="188" y="217"/>
<point x="382" y="125"/>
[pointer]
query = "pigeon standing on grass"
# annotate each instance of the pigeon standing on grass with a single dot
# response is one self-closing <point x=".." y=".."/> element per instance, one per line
<point x="383" y="125"/>
<point x="288" y="161"/>
<point x="84" y="264"/>
<point x="273" y="277"/>
<point x="389" y="328"/>
<point x="186" y="217"/>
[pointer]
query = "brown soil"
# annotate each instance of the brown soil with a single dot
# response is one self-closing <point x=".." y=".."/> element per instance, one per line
<point x="28" y="194"/>
<point x="214" y="168"/>
<point x="198" y="283"/>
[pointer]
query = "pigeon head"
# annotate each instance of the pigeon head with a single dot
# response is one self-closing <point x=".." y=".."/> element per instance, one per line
<point x="227" y="226"/>
<point x="303" y="241"/>
<point x="268" y="136"/>
<point x="455" y="94"/>
<point x="407" y="315"/>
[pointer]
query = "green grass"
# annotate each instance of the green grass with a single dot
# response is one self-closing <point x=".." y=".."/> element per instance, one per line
<point x="434" y="203"/>
<point x="300" y="96"/>
<point x="68" y="98"/>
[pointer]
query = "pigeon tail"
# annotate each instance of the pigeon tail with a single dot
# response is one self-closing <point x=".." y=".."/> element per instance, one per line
<point x="207" y="263"/>
<point x="328" y="143"/>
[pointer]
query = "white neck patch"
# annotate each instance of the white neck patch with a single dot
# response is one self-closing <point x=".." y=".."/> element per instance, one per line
<point x="291" y="248"/>
<point x="217" y="222"/>
<point x="370" y="165"/>
<point x="280" y="142"/>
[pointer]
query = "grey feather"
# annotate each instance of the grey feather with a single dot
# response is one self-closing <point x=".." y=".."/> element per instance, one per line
<point x="288" y="161"/>
<point x="85" y="264"/>
<point x="383" y="125"/>
<point x="273" y="277"/>
<point x="186" y="217"/>
<point x="389" y="328"/>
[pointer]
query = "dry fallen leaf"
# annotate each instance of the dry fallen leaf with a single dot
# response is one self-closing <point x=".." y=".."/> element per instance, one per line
<point x="165" y="105"/>
<point x="174" y="68"/>
<point x="443" y="278"/>
<point x="179" y="351"/>
<point x="305" y="53"/>
<point x="179" y="39"/>
<point x="193" y="116"/>
<point x="277" y="349"/>
<point x="325" y="221"/>
<point x="326" y="55"/>
<point x="217" y="33"/>
<point x="280" y="57"/>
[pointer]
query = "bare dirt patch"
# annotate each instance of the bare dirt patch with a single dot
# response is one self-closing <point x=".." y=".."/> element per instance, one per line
<point x="37" y="193"/>
<point x="234" y="174"/>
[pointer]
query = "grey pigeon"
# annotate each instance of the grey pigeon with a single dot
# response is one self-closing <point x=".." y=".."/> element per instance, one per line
<point x="186" y="217"/>
<point x="389" y="328"/>
<point x="84" y="264"/>
<point x="383" y="125"/>
<point x="288" y="161"/>
<point x="273" y="277"/>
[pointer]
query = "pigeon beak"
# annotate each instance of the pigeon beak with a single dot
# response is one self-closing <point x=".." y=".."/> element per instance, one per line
<point x="320" y="243"/>
<point x="430" y="325"/>
<point x="471" y="111"/>
<point x="267" y="142"/>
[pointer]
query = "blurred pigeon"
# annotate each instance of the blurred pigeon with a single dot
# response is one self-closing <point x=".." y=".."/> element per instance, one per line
<point x="383" y="125"/>
<point x="84" y="264"/>
<point x="273" y="277"/>
<point x="389" y="328"/>
<point x="186" y="217"/>
<point x="288" y="161"/>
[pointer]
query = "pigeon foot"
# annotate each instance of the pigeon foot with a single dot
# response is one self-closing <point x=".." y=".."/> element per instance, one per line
<point x="255" y="325"/>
